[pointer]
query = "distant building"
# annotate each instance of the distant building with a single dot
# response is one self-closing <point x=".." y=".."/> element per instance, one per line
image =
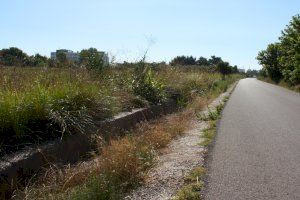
<point x="241" y="70"/>
<point x="72" y="56"/>
<point x="75" y="56"/>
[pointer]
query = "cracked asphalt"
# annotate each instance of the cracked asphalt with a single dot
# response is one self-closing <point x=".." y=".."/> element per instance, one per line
<point x="256" y="154"/>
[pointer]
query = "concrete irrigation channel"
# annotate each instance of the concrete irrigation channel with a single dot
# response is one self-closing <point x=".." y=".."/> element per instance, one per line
<point x="16" y="168"/>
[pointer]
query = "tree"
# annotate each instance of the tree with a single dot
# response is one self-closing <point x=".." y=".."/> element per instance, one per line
<point x="263" y="73"/>
<point x="252" y="73"/>
<point x="269" y="59"/>
<point x="202" y="61"/>
<point x="183" y="60"/>
<point x="290" y="51"/>
<point x="235" y="69"/>
<point x="13" y="57"/>
<point x="213" y="61"/>
<point x="61" y="58"/>
<point x="92" y="59"/>
<point x="224" y="68"/>
<point x="38" y="60"/>
<point x="282" y="59"/>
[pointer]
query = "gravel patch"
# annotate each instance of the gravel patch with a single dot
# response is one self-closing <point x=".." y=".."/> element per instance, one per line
<point x="178" y="159"/>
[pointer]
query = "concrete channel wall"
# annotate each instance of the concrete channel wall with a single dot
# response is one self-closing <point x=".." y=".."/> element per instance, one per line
<point x="21" y="165"/>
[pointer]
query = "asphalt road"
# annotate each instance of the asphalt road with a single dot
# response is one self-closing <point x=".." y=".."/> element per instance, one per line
<point x="256" y="154"/>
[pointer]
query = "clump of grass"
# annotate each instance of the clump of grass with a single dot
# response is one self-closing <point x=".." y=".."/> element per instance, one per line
<point x="210" y="115"/>
<point x="189" y="192"/>
<point x="208" y="135"/>
<point x="193" y="185"/>
<point x="219" y="108"/>
<point x="195" y="175"/>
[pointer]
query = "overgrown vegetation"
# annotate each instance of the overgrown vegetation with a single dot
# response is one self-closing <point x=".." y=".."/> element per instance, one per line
<point x="146" y="85"/>
<point x="193" y="185"/>
<point x="123" y="163"/>
<point x="281" y="60"/>
<point x="38" y="104"/>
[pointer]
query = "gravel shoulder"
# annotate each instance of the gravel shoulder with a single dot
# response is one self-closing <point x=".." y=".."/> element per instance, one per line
<point x="178" y="159"/>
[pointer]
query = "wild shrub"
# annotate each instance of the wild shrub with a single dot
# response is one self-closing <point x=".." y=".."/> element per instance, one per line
<point x="146" y="84"/>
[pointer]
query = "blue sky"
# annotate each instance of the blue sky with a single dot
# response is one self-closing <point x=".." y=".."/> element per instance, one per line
<point x="233" y="29"/>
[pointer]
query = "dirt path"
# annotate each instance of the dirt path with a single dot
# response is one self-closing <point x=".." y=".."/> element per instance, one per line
<point x="178" y="159"/>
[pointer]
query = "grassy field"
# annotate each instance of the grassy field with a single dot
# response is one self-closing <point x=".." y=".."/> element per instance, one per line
<point x="38" y="104"/>
<point x="123" y="163"/>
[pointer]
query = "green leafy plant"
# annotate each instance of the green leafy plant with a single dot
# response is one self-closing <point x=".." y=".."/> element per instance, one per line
<point x="147" y="85"/>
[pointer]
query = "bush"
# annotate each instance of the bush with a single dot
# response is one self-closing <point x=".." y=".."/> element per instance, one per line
<point x="147" y="85"/>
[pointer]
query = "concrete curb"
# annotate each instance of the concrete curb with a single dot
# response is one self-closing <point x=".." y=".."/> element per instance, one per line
<point x="17" y="168"/>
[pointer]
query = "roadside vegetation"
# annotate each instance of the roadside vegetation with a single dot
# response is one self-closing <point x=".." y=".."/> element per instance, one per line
<point x="280" y="61"/>
<point x="38" y="104"/>
<point x="64" y="97"/>
<point x="192" y="185"/>
<point x="58" y="98"/>
<point x="193" y="182"/>
<point x="122" y="164"/>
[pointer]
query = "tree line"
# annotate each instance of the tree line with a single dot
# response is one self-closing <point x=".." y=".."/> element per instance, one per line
<point x="281" y="60"/>
<point x="89" y="58"/>
<point x="214" y="62"/>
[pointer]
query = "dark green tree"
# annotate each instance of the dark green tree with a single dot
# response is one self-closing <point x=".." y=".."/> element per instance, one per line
<point x="183" y="60"/>
<point x="38" y="60"/>
<point x="202" y="61"/>
<point x="92" y="59"/>
<point x="224" y="68"/>
<point x="235" y="69"/>
<point x="213" y="61"/>
<point x="269" y="59"/>
<point x="13" y="57"/>
<point x="290" y="51"/>
<point x="61" y="58"/>
<point x="252" y="73"/>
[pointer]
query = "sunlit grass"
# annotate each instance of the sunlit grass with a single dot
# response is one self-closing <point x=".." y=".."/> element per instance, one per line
<point x="124" y="162"/>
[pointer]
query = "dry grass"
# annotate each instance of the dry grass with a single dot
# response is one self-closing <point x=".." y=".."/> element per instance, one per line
<point x="123" y="164"/>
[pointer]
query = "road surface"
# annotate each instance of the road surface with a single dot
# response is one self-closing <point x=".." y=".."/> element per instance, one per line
<point x="256" y="154"/>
